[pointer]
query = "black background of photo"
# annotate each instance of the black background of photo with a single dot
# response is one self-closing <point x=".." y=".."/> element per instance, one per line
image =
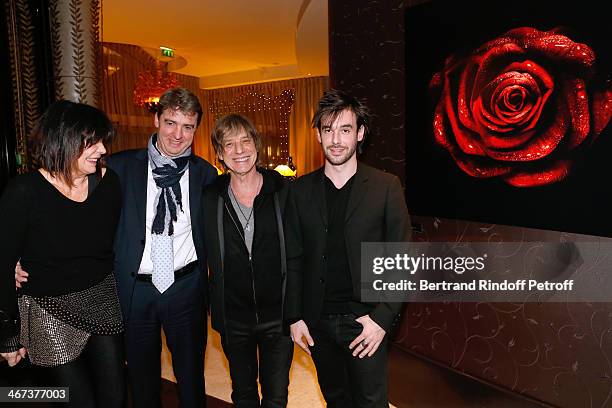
<point x="435" y="186"/>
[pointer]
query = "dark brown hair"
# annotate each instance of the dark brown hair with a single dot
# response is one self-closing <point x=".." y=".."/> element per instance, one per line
<point x="64" y="131"/>
<point x="333" y="103"/>
<point x="181" y="99"/>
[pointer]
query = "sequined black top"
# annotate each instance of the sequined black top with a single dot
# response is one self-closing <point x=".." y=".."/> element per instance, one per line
<point x="64" y="245"/>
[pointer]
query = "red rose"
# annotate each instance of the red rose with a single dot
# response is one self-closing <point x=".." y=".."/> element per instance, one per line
<point x="519" y="106"/>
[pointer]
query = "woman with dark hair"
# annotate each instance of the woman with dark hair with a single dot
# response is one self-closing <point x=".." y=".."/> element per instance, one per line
<point x="245" y="243"/>
<point x="60" y="222"/>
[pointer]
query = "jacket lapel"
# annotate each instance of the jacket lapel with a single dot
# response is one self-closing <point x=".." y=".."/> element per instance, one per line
<point x="358" y="191"/>
<point x="318" y="193"/>
<point x="140" y="186"/>
<point x="195" y="191"/>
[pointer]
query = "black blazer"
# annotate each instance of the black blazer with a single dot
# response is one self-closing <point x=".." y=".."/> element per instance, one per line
<point x="131" y="166"/>
<point x="376" y="212"/>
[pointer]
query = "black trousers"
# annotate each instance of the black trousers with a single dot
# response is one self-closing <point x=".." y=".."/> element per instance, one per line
<point x="241" y="343"/>
<point x="180" y="311"/>
<point x="347" y="381"/>
<point x="96" y="379"/>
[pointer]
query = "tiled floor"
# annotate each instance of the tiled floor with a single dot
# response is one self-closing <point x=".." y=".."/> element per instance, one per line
<point x="413" y="383"/>
<point x="303" y="388"/>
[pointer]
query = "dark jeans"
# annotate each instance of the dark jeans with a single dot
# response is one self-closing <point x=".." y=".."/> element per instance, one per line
<point x="180" y="311"/>
<point x="240" y="345"/>
<point x="95" y="379"/>
<point x="348" y="381"/>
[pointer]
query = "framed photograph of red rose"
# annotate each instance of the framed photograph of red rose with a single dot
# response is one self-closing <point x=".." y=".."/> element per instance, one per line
<point x="508" y="108"/>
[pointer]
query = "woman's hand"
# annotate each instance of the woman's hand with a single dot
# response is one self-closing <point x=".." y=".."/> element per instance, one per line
<point x="14" y="357"/>
<point x="21" y="276"/>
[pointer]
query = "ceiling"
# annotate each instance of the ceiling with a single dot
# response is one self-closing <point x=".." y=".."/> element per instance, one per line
<point x="227" y="43"/>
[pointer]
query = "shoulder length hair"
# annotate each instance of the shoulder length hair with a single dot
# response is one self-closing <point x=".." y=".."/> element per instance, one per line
<point x="64" y="131"/>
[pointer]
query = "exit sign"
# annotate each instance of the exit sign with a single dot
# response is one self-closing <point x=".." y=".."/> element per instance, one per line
<point x="167" y="52"/>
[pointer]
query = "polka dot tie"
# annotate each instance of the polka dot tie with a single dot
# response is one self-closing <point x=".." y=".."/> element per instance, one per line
<point x="162" y="255"/>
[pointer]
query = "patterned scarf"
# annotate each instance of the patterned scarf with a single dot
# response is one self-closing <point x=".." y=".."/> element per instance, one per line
<point x="167" y="173"/>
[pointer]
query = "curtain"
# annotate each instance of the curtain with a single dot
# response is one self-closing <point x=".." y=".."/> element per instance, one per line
<point x="303" y="145"/>
<point x="123" y="62"/>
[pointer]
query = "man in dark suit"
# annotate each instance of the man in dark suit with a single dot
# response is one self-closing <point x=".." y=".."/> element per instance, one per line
<point x="330" y="213"/>
<point x="160" y="259"/>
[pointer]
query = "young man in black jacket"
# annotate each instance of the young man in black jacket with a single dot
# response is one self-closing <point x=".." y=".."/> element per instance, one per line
<point x="330" y="213"/>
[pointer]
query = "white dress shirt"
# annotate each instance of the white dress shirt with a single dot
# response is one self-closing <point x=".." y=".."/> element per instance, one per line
<point x="184" y="249"/>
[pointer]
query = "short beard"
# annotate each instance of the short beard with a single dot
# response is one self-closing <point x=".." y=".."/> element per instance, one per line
<point x="339" y="161"/>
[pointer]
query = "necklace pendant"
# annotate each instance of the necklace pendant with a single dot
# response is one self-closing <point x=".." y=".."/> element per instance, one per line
<point x="247" y="227"/>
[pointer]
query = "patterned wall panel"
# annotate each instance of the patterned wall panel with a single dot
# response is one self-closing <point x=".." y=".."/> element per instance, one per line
<point x="26" y="94"/>
<point x="367" y="60"/>
<point x="558" y="353"/>
<point x="75" y="32"/>
<point x="7" y="127"/>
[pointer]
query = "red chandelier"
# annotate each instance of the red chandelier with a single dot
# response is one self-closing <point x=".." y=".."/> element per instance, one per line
<point x="150" y="85"/>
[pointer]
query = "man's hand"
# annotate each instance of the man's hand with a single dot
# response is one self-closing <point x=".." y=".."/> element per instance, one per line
<point x="370" y="338"/>
<point x="21" y="276"/>
<point x="299" y="330"/>
<point x="14" y="357"/>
